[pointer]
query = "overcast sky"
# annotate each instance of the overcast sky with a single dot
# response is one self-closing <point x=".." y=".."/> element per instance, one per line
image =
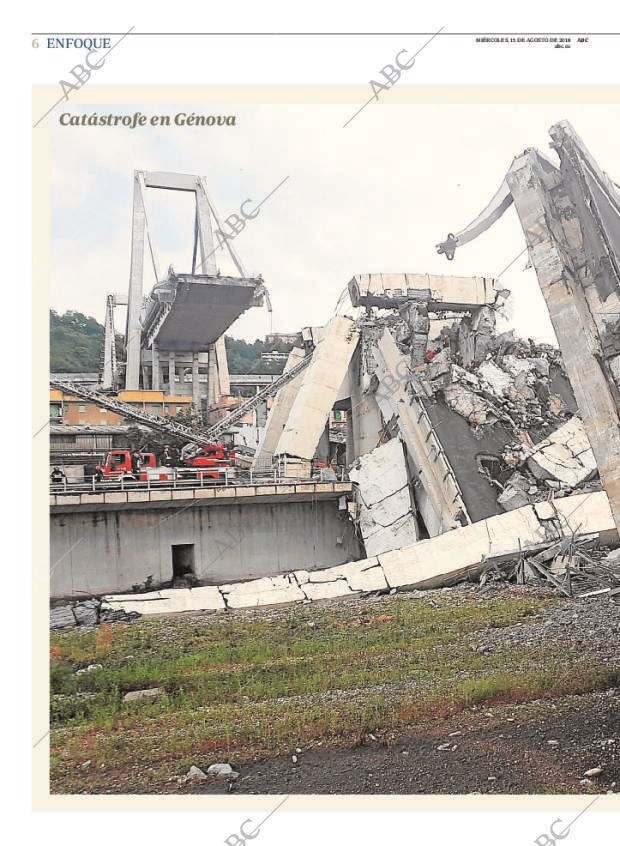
<point x="375" y="196"/>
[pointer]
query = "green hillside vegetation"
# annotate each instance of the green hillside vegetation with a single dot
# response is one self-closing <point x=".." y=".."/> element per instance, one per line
<point x="76" y="339"/>
<point x="75" y="343"/>
<point x="245" y="358"/>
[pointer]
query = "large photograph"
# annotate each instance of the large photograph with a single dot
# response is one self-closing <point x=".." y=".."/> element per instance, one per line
<point x="334" y="446"/>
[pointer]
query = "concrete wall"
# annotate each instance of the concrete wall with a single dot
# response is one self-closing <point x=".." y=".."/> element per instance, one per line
<point x="103" y="551"/>
<point x="432" y="563"/>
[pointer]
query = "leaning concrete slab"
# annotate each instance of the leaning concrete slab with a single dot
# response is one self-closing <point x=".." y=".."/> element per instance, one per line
<point x="273" y="590"/>
<point x="191" y="312"/>
<point x="387" y="520"/>
<point x="319" y="390"/>
<point x="454" y="555"/>
<point x="565" y="455"/>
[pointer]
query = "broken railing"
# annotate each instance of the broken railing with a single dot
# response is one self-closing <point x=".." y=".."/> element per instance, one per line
<point x="569" y="566"/>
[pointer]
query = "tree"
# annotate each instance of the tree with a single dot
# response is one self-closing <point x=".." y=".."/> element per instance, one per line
<point x="148" y="440"/>
<point x="246" y="358"/>
<point x="75" y="343"/>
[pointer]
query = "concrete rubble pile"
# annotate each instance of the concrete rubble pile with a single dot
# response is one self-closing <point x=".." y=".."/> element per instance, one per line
<point x="500" y="411"/>
<point x="466" y="453"/>
<point x="520" y="390"/>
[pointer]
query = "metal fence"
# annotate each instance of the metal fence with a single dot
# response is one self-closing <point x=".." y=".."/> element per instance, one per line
<point x="267" y="475"/>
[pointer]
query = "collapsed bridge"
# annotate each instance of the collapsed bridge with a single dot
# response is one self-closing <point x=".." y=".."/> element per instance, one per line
<point x="462" y="444"/>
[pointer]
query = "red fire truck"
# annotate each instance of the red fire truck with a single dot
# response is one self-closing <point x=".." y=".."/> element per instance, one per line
<point x="211" y="461"/>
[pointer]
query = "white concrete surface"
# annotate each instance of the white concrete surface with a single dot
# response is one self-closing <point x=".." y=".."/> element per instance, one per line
<point x="387" y="520"/>
<point x="429" y="563"/>
<point x="319" y="389"/>
<point x="565" y="455"/>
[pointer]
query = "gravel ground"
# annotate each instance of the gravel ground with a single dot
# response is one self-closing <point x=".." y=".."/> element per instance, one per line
<point x="545" y="746"/>
<point x="540" y="747"/>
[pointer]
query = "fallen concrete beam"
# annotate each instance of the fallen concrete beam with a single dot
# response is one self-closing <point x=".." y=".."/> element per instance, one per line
<point x="272" y="590"/>
<point x="436" y="562"/>
<point x="322" y="381"/>
<point x="439" y="292"/>
<point x="386" y="520"/>
<point x="190" y="312"/>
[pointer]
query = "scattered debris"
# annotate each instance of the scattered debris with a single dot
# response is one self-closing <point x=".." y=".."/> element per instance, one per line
<point x="575" y="567"/>
<point x="222" y="771"/>
<point x="195" y="774"/>
<point x="148" y="693"/>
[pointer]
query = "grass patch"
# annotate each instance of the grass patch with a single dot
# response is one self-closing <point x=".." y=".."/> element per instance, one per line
<point x="259" y="686"/>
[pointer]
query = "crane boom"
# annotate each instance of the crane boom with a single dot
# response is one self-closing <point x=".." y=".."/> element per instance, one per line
<point x="219" y="428"/>
<point x="167" y="425"/>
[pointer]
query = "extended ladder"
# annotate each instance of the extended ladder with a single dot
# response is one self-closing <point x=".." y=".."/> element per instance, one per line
<point x="219" y="428"/>
<point x="167" y="425"/>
